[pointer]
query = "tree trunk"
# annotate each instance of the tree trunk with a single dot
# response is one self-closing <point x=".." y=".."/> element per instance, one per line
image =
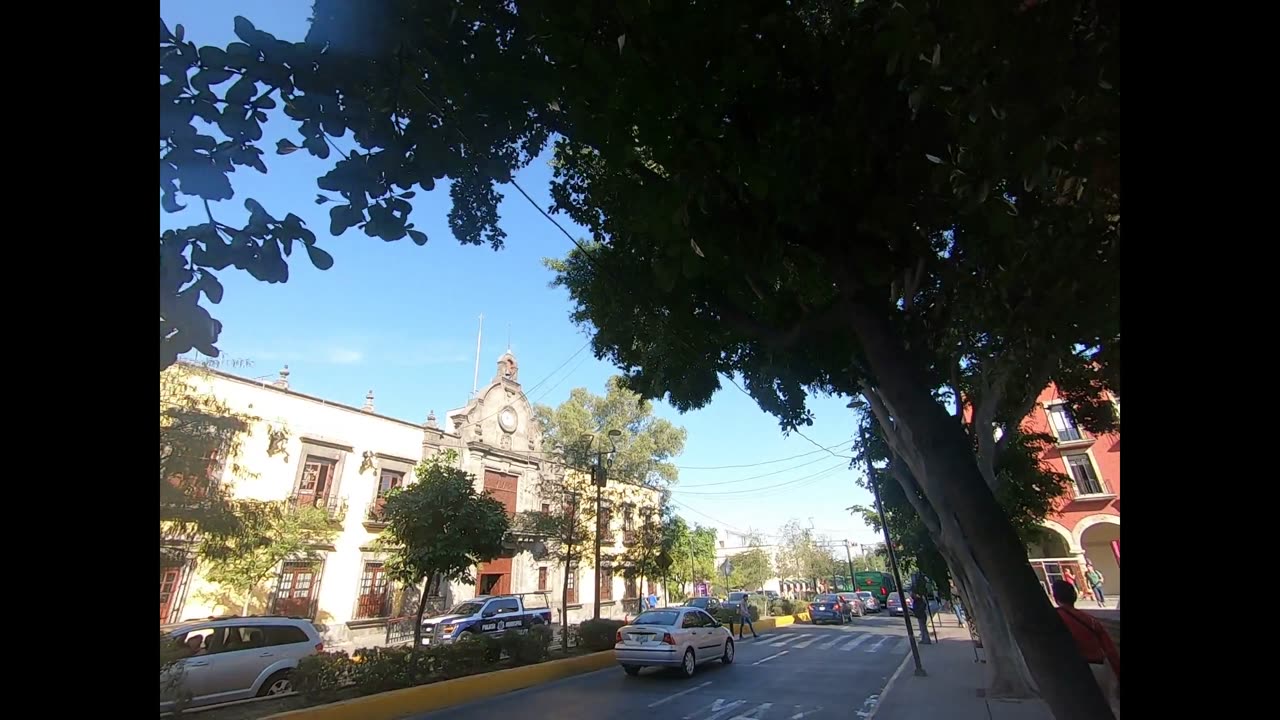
<point x="950" y="479"/>
<point x="1011" y="678"/>
<point x="422" y="607"/>
<point x="244" y="610"/>
<point x="564" y="603"/>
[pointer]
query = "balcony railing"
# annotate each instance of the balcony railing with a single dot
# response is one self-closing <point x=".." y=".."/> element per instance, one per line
<point x="629" y="537"/>
<point x="374" y="515"/>
<point x="335" y="507"/>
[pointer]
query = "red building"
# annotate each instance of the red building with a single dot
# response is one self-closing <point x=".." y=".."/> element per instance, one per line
<point x="1086" y="521"/>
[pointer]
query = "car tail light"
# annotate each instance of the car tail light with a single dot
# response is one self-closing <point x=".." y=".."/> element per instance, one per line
<point x="812" y="608"/>
<point x="666" y="638"/>
<point x="617" y="637"/>
<point x="319" y="647"/>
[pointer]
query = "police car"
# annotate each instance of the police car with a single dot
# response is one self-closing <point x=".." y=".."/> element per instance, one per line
<point x="490" y="615"/>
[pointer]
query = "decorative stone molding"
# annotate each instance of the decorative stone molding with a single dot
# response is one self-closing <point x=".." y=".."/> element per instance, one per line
<point x="1077" y="533"/>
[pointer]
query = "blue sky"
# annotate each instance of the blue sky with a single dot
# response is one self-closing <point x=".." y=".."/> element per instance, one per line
<point x="401" y="320"/>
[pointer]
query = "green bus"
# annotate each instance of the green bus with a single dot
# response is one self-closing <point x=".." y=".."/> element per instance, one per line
<point x="875" y="582"/>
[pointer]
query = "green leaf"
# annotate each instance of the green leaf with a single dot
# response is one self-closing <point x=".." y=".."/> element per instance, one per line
<point x="242" y="91"/>
<point x="165" y="35"/>
<point x="321" y="259"/>
<point x="933" y="159"/>
<point x="285" y="146"/>
<point x="179" y="33"/>
<point x="418" y="237"/>
<point x="321" y="199"/>
<point x="213" y="57"/>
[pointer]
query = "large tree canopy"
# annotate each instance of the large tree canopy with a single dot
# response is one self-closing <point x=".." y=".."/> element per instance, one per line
<point x="816" y="196"/>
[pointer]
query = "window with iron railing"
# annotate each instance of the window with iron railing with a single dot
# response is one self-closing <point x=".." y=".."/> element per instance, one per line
<point x="1064" y="426"/>
<point x="1086" y="480"/>
<point x="571" y="592"/>
<point x="373" y="597"/>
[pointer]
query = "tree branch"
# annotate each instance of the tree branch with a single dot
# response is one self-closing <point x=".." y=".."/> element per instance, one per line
<point x="916" y="497"/>
<point x="781" y="340"/>
<point x="1038" y="381"/>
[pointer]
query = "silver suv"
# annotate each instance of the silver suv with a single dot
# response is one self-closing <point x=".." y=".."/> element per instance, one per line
<point x="234" y="658"/>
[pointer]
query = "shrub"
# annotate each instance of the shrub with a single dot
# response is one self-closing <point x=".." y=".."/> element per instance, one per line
<point x="526" y="648"/>
<point x="324" y="673"/>
<point x="597" y="635"/>
<point x="783" y="607"/>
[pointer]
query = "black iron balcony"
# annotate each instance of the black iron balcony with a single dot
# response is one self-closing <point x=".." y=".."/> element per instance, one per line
<point x="335" y="507"/>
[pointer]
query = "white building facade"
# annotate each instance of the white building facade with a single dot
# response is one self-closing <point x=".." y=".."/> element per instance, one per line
<point x="343" y="458"/>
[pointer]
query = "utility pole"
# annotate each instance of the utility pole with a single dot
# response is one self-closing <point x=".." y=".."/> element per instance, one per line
<point x="893" y="557"/>
<point x="849" y="556"/>
<point x="599" y="478"/>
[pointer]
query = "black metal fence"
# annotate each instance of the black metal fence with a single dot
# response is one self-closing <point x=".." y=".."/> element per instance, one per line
<point x="400" y="629"/>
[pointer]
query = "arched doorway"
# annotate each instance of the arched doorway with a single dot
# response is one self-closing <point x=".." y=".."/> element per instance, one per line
<point x="1097" y="533"/>
<point x="1049" y="553"/>
<point x="1047" y="544"/>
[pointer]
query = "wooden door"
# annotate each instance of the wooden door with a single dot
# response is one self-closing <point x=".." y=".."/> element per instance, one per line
<point x="494" y="578"/>
<point x="317" y="479"/>
<point x="170" y="579"/>
<point x="503" y="487"/>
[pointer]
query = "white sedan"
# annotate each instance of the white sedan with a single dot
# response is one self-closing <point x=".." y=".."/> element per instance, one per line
<point x="675" y="637"/>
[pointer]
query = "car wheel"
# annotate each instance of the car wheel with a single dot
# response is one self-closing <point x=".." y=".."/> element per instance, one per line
<point x="277" y="684"/>
<point x="690" y="665"/>
<point x="727" y="658"/>
<point x="632" y="670"/>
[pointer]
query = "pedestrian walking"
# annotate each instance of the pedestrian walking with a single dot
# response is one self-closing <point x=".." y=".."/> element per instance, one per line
<point x="958" y="608"/>
<point x="1095" y="580"/>
<point x="1093" y="642"/>
<point x="920" y="608"/>
<point x="744" y="620"/>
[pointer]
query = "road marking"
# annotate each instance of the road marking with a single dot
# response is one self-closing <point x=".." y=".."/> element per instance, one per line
<point x="718" y="709"/>
<point x="868" y="706"/>
<point x="755" y="713"/>
<point x="876" y="647"/>
<point x="808" y="642"/>
<point x="831" y="643"/>
<point x="669" y="698"/>
<point x="793" y="637"/>
<point x="884" y="691"/>
<point x="855" y="643"/>
<point x="800" y="715"/>
<point x="765" y="660"/>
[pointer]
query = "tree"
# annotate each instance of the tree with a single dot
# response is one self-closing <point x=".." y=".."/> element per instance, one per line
<point x="201" y="440"/>
<point x="954" y="173"/>
<point x="566" y="528"/>
<point x="751" y="569"/>
<point x="1027" y="493"/>
<point x="440" y="528"/>
<point x="692" y="551"/>
<point x="645" y="449"/>
<point x="290" y="532"/>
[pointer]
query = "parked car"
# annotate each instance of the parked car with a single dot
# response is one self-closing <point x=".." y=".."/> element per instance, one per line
<point x="234" y="658"/>
<point x="869" y="601"/>
<point x="853" y="604"/>
<point x="709" y="604"/>
<point x="735" y="599"/>
<point x="828" y="608"/>
<point x="490" y="615"/>
<point x="895" y="603"/>
<point x="679" y="637"/>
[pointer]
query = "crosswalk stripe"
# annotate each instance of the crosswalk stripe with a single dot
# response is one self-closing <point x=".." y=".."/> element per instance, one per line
<point x="830" y="643"/>
<point x="894" y="643"/>
<point x="808" y="642"/>
<point x="876" y="647"/>
<point x="788" y="639"/>
<point x="855" y="642"/>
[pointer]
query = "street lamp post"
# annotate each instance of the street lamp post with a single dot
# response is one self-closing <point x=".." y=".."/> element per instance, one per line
<point x="599" y="478"/>
<point x="849" y="557"/>
<point x="893" y="557"/>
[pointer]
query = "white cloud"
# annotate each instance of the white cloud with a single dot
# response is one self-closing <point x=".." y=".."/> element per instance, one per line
<point x="343" y="356"/>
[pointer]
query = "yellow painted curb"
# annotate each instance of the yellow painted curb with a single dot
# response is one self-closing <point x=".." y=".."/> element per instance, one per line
<point x="459" y="691"/>
<point x="447" y="693"/>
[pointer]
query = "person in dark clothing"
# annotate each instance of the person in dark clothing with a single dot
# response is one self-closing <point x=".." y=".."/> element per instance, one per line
<point x="920" y="608"/>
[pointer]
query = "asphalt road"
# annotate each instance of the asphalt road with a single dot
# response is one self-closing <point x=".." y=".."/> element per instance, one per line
<point x="801" y="671"/>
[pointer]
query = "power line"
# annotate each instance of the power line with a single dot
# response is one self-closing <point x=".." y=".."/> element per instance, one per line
<point x="762" y="462"/>
<point x="755" y="477"/>
<point x="767" y="487"/>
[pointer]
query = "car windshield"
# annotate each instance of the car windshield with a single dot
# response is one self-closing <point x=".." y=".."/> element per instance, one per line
<point x="656" y="617"/>
<point x="864" y="595"/>
<point x="826" y="598"/>
<point x="737" y="596"/>
<point x="467" y="608"/>
<point x="697" y="602"/>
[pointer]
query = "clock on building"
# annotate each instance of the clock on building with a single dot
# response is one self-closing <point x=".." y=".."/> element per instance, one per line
<point x="507" y="420"/>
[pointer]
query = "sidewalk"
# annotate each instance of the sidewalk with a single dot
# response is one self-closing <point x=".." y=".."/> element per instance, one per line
<point x="955" y="687"/>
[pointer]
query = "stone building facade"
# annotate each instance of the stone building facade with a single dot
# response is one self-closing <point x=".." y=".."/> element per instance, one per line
<point x="345" y="458"/>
